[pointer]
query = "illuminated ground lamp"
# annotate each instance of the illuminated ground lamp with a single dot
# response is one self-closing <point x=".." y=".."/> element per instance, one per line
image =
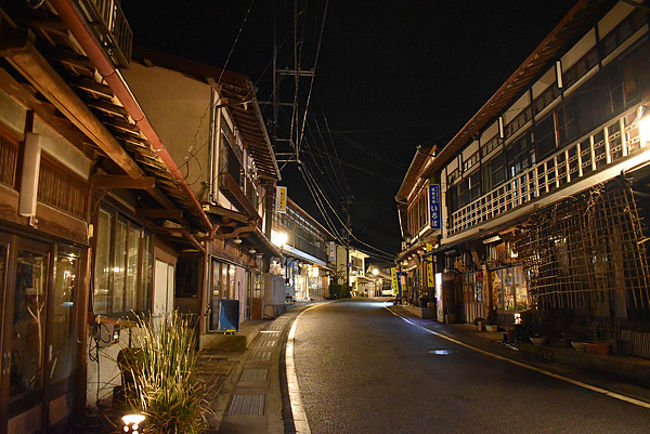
<point x="132" y="423"/>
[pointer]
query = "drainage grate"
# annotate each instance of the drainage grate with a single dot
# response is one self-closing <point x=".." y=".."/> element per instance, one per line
<point x="246" y="405"/>
<point x="266" y="343"/>
<point x="271" y="333"/>
<point x="250" y="375"/>
<point x="261" y="355"/>
<point x="278" y="325"/>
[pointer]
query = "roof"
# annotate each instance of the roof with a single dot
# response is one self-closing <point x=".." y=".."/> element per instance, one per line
<point x="413" y="173"/>
<point x="579" y="19"/>
<point x="242" y="106"/>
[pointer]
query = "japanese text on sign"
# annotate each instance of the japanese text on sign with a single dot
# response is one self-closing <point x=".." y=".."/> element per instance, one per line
<point x="434" y="206"/>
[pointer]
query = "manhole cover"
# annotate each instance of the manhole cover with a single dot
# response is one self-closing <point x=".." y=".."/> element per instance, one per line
<point x="442" y="352"/>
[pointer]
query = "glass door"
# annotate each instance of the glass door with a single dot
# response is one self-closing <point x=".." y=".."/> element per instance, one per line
<point x="39" y="288"/>
<point x="24" y="335"/>
<point x="61" y="340"/>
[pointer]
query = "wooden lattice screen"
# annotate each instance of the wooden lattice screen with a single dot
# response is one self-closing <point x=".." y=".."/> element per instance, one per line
<point x="588" y="254"/>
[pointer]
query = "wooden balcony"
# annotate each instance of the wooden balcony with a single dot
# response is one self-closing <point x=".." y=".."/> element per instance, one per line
<point x="231" y="189"/>
<point x="605" y="147"/>
<point x="111" y="28"/>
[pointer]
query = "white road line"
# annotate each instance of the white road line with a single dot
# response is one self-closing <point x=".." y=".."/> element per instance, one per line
<point x="578" y="383"/>
<point x="300" y="422"/>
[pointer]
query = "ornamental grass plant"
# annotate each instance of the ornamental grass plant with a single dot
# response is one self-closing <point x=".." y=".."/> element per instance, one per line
<point x="165" y="385"/>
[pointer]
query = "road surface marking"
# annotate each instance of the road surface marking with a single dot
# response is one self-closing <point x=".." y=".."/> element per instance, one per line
<point x="300" y="422"/>
<point x="529" y="367"/>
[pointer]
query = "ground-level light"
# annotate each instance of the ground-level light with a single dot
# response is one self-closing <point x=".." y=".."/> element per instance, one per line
<point x="132" y="423"/>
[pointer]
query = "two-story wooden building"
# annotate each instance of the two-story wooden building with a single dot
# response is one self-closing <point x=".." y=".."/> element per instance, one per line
<point x="305" y="246"/>
<point x="542" y="190"/>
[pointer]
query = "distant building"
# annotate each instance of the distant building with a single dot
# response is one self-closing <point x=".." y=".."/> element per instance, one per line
<point x="305" y="247"/>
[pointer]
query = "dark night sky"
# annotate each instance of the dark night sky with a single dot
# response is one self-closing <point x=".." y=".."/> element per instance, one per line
<point x="391" y="75"/>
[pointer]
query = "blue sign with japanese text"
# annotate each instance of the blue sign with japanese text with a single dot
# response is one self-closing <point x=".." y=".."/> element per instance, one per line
<point x="434" y="206"/>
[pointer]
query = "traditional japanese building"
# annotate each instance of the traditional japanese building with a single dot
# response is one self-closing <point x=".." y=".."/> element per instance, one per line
<point x="305" y="247"/>
<point x="544" y="189"/>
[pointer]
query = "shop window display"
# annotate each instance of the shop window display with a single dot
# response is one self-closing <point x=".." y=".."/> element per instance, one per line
<point x="510" y="289"/>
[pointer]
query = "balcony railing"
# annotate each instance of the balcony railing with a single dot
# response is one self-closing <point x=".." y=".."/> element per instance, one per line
<point x="111" y="28"/>
<point x="602" y="148"/>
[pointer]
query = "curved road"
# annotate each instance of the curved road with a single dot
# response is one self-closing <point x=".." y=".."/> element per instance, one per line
<point x="363" y="370"/>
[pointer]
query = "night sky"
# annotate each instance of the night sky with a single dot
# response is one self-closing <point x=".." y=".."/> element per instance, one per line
<point x="391" y="76"/>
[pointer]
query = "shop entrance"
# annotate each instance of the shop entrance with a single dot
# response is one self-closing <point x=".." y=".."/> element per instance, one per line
<point x="38" y="295"/>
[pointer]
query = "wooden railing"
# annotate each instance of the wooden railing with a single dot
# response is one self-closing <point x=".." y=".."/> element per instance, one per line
<point x="603" y="147"/>
<point x="111" y="28"/>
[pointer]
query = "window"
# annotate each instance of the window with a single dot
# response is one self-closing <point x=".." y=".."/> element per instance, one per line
<point x="518" y="154"/>
<point x="545" y="137"/>
<point x="490" y="146"/>
<point x="517" y="123"/>
<point x="496" y="170"/>
<point x="123" y="265"/>
<point x="510" y="289"/>
<point x="471" y="161"/>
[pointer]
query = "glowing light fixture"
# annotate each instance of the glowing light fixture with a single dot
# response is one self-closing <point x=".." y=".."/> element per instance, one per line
<point x="375" y="271"/>
<point x="279" y="238"/>
<point x="643" y="121"/>
<point x="237" y="241"/>
<point x="132" y="423"/>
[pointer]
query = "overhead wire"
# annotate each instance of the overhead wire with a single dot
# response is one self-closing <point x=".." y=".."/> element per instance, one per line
<point x="340" y="184"/>
<point x="313" y="75"/>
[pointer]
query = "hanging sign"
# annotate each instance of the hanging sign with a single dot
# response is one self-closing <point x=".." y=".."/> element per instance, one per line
<point x="394" y="284"/>
<point x="332" y="251"/>
<point x="431" y="283"/>
<point x="280" y="199"/>
<point x="434" y="206"/>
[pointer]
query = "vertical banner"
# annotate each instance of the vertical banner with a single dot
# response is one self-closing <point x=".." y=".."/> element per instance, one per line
<point x="332" y="251"/>
<point x="434" y="206"/>
<point x="394" y="285"/>
<point x="431" y="283"/>
<point x="280" y="199"/>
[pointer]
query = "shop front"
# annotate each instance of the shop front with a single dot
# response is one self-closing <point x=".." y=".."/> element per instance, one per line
<point x="510" y="295"/>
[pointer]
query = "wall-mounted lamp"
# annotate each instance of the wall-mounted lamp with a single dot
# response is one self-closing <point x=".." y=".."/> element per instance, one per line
<point x="237" y="241"/>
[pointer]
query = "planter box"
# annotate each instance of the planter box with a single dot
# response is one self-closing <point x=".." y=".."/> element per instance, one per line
<point x="599" y="348"/>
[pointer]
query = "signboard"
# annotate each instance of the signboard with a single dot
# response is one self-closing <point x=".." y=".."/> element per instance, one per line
<point x="280" y="199"/>
<point x="393" y="275"/>
<point x="332" y="251"/>
<point x="430" y="277"/>
<point x="434" y="206"/>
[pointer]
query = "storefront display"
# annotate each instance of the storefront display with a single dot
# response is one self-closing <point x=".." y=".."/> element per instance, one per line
<point x="510" y="289"/>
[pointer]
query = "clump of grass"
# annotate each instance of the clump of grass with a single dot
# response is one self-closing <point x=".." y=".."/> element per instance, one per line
<point x="166" y="388"/>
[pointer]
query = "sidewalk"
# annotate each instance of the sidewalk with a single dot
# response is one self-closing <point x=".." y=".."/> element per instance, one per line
<point x="620" y="374"/>
<point x="246" y="393"/>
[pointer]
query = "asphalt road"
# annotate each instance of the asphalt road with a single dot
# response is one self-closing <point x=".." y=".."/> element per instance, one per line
<point x="363" y="370"/>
